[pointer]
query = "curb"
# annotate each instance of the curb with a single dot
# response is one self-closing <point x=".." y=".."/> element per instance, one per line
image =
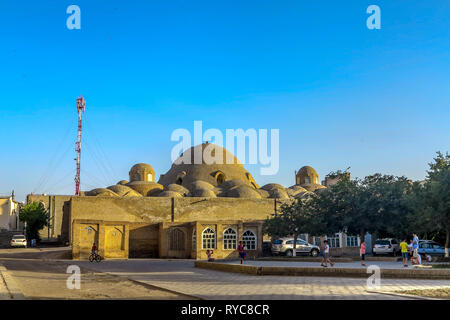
<point x="324" y="272"/>
<point x="10" y="285"/>
<point x="410" y="296"/>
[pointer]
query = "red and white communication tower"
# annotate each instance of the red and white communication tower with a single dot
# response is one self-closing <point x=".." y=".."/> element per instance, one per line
<point x="80" y="108"/>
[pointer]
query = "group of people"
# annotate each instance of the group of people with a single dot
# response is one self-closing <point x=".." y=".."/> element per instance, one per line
<point x="412" y="249"/>
<point x="240" y="249"/>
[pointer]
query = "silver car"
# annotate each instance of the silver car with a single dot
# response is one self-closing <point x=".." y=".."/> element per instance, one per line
<point x="386" y="246"/>
<point x="285" y="246"/>
<point x="19" y="240"/>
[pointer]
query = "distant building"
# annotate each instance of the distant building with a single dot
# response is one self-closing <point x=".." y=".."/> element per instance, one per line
<point x="194" y="207"/>
<point x="9" y="213"/>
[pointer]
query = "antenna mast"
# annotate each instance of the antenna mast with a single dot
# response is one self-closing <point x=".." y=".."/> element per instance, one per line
<point x="80" y="108"/>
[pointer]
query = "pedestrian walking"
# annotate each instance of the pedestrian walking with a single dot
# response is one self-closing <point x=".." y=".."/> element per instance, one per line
<point x="404" y="249"/>
<point x="209" y="254"/>
<point x="410" y="249"/>
<point x="415" y="245"/>
<point x="326" y="254"/>
<point x="362" y="253"/>
<point x="241" y="250"/>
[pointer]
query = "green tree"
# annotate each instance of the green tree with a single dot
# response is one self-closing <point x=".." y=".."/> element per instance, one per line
<point x="437" y="197"/>
<point x="36" y="217"/>
<point x="375" y="204"/>
<point x="295" y="218"/>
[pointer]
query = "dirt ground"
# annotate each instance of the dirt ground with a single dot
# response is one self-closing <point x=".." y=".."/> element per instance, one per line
<point x="431" y="293"/>
<point x="45" y="279"/>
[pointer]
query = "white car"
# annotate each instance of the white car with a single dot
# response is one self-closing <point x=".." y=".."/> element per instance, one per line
<point x="386" y="246"/>
<point x="19" y="241"/>
<point x="285" y="246"/>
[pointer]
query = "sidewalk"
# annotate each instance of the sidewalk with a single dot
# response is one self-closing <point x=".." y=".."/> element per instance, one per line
<point x="9" y="290"/>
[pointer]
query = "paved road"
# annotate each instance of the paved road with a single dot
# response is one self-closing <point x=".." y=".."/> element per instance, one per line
<point x="22" y="276"/>
<point x="183" y="277"/>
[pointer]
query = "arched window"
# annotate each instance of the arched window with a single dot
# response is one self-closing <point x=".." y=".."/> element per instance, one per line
<point x="176" y="240"/>
<point x="179" y="181"/>
<point x="229" y="239"/>
<point x="208" y="239"/>
<point x="249" y="240"/>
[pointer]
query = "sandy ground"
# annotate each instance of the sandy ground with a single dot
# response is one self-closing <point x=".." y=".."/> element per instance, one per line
<point x="45" y="279"/>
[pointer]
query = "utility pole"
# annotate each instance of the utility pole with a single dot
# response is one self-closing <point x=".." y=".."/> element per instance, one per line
<point x="80" y="109"/>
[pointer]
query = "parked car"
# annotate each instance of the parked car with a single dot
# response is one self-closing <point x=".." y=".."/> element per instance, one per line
<point x="386" y="246"/>
<point x="285" y="246"/>
<point x="19" y="240"/>
<point x="430" y="247"/>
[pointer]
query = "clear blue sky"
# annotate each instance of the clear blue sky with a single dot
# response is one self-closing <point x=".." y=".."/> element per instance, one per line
<point x="340" y="94"/>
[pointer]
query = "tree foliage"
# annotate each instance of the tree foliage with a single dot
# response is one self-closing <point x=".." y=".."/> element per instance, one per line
<point x="36" y="218"/>
<point x="383" y="205"/>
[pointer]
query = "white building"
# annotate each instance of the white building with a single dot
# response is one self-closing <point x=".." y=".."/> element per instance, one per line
<point x="9" y="214"/>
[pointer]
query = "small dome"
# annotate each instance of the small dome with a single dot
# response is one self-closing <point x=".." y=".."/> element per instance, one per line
<point x="202" y="193"/>
<point x="306" y="175"/>
<point x="124" y="191"/>
<point x="102" y="192"/>
<point x="122" y="182"/>
<point x="142" y="172"/>
<point x="278" y="194"/>
<point x="177" y="188"/>
<point x="242" y="191"/>
<point x="294" y="190"/>
<point x="144" y="188"/>
<point x="271" y="186"/>
<point x="199" y="184"/>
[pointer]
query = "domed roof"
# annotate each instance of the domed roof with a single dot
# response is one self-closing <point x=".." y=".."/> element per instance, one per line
<point x="271" y="186"/>
<point x="142" y="166"/>
<point x="307" y="170"/>
<point x="177" y="188"/>
<point x="216" y="166"/>
<point x="199" y="184"/>
<point x="101" y="192"/>
<point x="142" y="172"/>
<point x="124" y="191"/>
<point x="243" y="191"/>
<point x="306" y="175"/>
<point x="278" y="194"/>
<point x="122" y="182"/>
<point x="144" y="188"/>
<point x="295" y="189"/>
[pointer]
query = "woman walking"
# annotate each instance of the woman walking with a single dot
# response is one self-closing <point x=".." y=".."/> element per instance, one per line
<point x="362" y="252"/>
<point x="326" y="252"/>
<point x="241" y="250"/>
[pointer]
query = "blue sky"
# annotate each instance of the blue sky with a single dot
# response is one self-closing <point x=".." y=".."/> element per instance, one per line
<point x="340" y="94"/>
